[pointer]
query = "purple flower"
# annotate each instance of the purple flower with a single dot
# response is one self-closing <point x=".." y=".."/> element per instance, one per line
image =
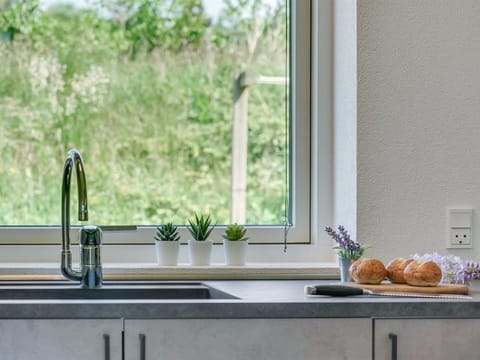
<point x="346" y="247"/>
<point x="471" y="271"/>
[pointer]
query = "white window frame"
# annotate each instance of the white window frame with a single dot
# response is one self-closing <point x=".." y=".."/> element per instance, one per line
<point x="311" y="168"/>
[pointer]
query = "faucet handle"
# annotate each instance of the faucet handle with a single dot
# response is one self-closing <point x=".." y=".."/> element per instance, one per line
<point x="90" y="235"/>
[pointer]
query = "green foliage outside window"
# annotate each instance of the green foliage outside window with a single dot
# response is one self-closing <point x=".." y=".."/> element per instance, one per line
<point x="143" y="90"/>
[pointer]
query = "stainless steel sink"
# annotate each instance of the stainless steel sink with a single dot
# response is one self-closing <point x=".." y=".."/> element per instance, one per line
<point x="146" y="290"/>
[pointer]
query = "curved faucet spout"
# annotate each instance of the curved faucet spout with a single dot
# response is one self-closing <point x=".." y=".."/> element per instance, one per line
<point x="74" y="161"/>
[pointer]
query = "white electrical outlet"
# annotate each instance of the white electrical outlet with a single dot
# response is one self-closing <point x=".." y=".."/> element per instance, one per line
<point x="461" y="236"/>
<point x="459" y="229"/>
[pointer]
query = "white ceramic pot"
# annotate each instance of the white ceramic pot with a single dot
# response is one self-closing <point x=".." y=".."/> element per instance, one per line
<point x="200" y="252"/>
<point x="235" y="252"/>
<point x="167" y="252"/>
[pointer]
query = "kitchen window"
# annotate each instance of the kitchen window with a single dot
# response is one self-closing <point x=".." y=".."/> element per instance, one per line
<point x="144" y="90"/>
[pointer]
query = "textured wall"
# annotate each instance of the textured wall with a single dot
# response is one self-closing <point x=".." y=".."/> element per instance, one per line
<point x="418" y="122"/>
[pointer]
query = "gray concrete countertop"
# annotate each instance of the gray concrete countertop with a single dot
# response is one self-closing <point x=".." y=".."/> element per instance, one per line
<point x="257" y="299"/>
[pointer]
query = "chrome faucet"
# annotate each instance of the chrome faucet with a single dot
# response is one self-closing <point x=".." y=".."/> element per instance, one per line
<point x="90" y="237"/>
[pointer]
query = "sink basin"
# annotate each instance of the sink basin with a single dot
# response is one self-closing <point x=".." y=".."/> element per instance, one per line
<point x="111" y="291"/>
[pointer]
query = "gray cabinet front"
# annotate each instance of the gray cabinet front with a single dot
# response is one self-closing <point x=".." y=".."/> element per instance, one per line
<point x="60" y="339"/>
<point x="439" y="339"/>
<point x="248" y="339"/>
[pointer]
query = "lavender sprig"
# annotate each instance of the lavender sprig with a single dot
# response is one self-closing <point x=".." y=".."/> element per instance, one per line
<point x="346" y="247"/>
<point x="471" y="271"/>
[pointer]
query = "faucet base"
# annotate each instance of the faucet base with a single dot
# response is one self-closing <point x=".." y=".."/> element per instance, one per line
<point x="92" y="277"/>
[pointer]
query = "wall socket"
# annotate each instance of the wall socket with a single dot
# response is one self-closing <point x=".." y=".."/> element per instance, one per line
<point x="461" y="237"/>
<point x="459" y="229"/>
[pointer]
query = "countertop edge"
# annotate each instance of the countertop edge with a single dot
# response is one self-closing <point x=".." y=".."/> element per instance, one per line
<point x="257" y="299"/>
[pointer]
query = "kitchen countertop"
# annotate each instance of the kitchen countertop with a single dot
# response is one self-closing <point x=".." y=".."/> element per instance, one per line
<point x="257" y="299"/>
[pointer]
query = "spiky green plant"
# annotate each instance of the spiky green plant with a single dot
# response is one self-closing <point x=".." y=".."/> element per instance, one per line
<point x="200" y="227"/>
<point x="167" y="232"/>
<point x="235" y="232"/>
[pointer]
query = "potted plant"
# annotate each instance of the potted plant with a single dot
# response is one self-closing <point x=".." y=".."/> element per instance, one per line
<point x="200" y="248"/>
<point x="235" y="244"/>
<point x="167" y="244"/>
<point x="348" y="250"/>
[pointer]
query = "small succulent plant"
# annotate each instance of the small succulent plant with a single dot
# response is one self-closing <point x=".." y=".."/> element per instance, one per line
<point x="235" y="232"/>
<point x="200" y="227"/>
<point x="167" y="232"/>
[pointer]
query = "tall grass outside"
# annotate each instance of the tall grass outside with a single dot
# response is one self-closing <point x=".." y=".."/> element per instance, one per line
<point x="143" y="90"/>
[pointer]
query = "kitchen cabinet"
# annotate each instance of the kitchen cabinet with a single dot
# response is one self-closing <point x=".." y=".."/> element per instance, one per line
<point x="245" y="339"/>
<point x="58" y="339"/>
<point x="439" y="339"/>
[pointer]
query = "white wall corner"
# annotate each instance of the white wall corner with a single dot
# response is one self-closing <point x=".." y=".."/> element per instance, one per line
<point x="345" y="114"/>
<point x="334" y="74"/>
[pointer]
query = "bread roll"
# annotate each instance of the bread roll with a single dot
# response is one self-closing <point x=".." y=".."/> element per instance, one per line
<point x="368" y="271"/>
<point x="422" y="273"/>
<point x="395" y="270"/>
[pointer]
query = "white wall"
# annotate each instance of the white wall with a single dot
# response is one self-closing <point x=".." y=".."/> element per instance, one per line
<point x="345" y="113"/>
<point x="418" y="122"/>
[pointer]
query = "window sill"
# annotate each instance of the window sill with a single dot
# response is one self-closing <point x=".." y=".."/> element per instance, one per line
<point x="151" y="271"/>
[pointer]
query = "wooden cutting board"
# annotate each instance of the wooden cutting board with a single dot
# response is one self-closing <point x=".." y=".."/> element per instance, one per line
<point x="440" y="289"/>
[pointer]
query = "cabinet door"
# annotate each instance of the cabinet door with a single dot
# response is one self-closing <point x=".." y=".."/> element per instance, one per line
<point x="427" y="339"/>
<point x="72" y="339"/>
<point x="248" y="339"/>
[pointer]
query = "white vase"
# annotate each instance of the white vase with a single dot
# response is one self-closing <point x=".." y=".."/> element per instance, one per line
<point x="167" y="252"/>
<point x="235" y="252"/>
<point x="200" y="252"/>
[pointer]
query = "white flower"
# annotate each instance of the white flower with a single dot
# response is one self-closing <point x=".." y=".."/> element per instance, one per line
<point x="91" y="88"/>
<point x="46" y="74"/>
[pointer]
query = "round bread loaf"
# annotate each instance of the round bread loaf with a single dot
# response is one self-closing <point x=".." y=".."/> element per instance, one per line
<point x="368" y="271"/>
<point x="395" y="270"/>
<point x="422" y="273"/>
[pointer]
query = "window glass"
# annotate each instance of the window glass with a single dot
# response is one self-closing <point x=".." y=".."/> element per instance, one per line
<point x="143" y="89"/>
